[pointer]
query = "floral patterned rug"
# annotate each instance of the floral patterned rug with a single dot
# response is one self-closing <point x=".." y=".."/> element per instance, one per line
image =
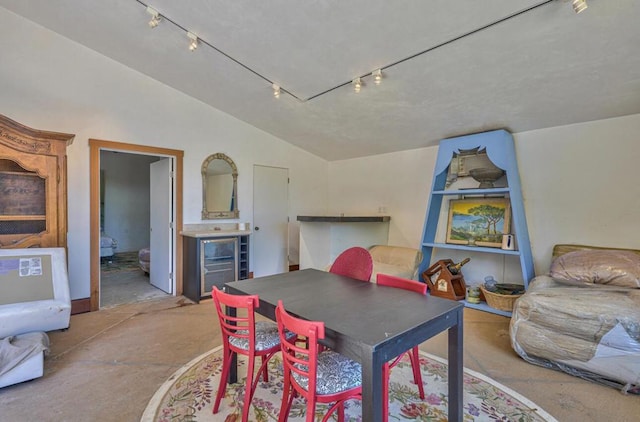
<point x="189" y="394"/>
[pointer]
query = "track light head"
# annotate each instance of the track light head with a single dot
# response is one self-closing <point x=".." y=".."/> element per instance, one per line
<point x="276" y="90"/>
<point x="377" y="76"/>
<point x="193" y="44"/>
<point x="579" y="5"/>
<point x="357" y="84"/>
<point x="155" y="17"/>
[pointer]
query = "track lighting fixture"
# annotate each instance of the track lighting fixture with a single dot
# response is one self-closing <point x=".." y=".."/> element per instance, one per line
<point x="155" y="17"/>
<point x="579" y="5"/>
<point x="377" y="76"/>
<point x="193" y="44"/>
<point x="357" y="84"/>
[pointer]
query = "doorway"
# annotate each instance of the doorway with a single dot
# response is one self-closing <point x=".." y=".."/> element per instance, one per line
<point x="127" y="204"/>
<point x="270" y="220"/>
<point x="175" y="253"/>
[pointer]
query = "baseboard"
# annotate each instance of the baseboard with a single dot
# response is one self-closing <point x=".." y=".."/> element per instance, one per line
<point x="80" y="306"/>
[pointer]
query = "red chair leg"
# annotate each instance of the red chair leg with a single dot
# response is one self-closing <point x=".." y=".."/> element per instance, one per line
<point x="264" y="372"/>
<point x="287" y="399"/>
<point x="224" y="377"/>
<point x="248" y="390"/>
<point x="311" y="411"/>
<point x="341" y="412"/>
<point x="385" y="392"/>
<point x="417" y="375"/>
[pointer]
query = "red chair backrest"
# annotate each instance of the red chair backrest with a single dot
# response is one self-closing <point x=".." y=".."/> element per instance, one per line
<point x="231" y="326"/>
<point x="300" y="359"/>
<point x="401" y="283"/>
<point x="354" y="262"/>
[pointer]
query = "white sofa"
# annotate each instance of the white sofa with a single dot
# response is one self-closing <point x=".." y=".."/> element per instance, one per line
<point x="34" y="298"/>
<point x="395" y="260"/>
<point x="31" y="302"/>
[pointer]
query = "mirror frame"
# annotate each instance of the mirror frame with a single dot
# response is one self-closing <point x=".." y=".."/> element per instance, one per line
<point x="212" y="215"/>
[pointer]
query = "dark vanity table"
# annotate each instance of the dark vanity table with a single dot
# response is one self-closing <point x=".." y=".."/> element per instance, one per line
<point x="213" y="258"/>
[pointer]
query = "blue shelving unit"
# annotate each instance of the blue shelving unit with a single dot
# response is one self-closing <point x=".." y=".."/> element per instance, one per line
<point x="500" y="149"/>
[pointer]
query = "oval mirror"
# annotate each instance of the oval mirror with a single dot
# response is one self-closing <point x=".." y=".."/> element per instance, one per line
<point x="219" y="187"/>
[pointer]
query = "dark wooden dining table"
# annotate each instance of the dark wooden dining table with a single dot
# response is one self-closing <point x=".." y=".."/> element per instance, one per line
<point x="368" y="323"/>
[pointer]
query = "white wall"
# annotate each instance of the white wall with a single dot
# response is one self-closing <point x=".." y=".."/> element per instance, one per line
<point x="48" y="82"/>
<point x="126" y="198"/>
<point x="396" y="182"/>
<point x="580" y="185"/>
<point x="579" y="182"/>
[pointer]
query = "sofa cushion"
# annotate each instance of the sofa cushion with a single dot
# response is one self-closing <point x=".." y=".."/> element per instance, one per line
<point x="395" y="260"/>
<point x="397" y="270"/>
<point x="612" y="267"/>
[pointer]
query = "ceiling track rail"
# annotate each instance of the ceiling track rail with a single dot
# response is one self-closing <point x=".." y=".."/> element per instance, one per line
<point x="349" y="82"/>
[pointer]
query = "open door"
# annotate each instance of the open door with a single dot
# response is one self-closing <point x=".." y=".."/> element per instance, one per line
<point x="161" y="237"/>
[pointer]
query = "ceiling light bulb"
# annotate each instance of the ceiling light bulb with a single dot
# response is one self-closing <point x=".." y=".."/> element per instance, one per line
<point x="194" y="41"/>
<point x="276" y="90"/>
<point x="377" y="76"/>
<point x="357" y="84"/>
<point x="579" y="5"/>
<point x="155" y="17"/>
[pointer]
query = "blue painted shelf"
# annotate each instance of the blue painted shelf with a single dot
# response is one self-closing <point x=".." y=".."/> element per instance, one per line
<point x="500" y="150"/>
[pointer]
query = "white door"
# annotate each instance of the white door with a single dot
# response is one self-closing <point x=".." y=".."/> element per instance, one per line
<point x="161" y="225"/>
<point x="270" y="220"/>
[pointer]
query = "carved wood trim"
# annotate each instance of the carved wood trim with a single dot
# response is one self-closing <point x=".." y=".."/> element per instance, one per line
<point x="33" y="141"/>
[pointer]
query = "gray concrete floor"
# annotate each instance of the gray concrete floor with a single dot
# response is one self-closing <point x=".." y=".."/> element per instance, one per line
<point x="109" y="363"/>
<point x="121" y="287"/>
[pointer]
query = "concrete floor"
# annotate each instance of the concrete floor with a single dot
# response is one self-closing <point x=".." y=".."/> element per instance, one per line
<point x="109" y="363"/>
<point x="120" y="287"/>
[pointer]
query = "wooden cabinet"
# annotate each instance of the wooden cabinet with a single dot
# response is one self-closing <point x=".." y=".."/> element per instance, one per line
<point x="213" y="261"/>
<point x="499" y="148"/>
<point x="33" y="186"/>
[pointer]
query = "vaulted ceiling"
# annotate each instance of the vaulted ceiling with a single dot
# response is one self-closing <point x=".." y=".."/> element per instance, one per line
<point x="449" y="67"/>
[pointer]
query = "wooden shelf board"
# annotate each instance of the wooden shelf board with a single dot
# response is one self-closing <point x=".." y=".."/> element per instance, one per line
<point x="22" y="217"/>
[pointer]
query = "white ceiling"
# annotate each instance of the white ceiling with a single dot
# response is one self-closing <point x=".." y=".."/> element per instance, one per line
<point x="539" y="65"/>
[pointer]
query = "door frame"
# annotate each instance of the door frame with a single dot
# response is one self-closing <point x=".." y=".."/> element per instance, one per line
<point x="95" y="146"/>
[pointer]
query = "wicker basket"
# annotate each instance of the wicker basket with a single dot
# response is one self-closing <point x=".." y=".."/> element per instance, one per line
<point x="499" y="301"/>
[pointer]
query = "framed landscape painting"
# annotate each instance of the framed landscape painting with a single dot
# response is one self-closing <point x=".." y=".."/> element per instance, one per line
<point x="480" y="221"/>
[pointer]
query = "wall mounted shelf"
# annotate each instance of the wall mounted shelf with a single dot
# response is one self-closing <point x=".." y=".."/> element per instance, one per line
<point x="343" y="219"/>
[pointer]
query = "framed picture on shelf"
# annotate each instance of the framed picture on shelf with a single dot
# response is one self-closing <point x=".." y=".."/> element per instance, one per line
<point x="478" y="221"/>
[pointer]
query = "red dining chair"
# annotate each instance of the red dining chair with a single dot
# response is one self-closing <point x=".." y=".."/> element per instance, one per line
<point x="354" y="262"/>
<point x="414" y="286"/>
<point x="319" y="377"/>
<point x="242" y="335"/>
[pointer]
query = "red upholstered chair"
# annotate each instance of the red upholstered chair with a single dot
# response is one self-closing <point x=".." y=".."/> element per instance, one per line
<point x="244" y="336"/>
<point x="414" y="286"/>
<point x="319" y="377"/>
<point x="354" y="262"/>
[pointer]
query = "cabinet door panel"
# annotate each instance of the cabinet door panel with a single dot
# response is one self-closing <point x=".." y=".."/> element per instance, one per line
<point x="33" y="186"/>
